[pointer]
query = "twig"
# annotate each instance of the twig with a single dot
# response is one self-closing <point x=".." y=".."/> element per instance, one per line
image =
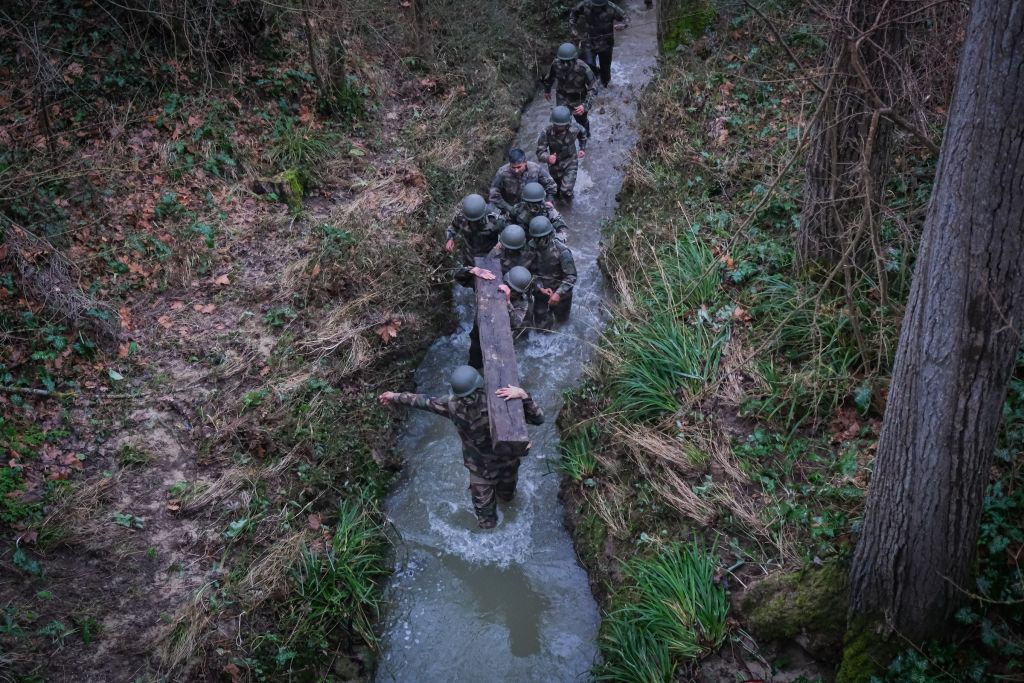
<point x="785" y="46"/>
<point x="29" y="391"/>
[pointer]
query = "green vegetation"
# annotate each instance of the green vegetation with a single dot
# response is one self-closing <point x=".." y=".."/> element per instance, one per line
<point x="737" y="400"/>
<point x="674" y="611"/>
<point x="234" y="340"/>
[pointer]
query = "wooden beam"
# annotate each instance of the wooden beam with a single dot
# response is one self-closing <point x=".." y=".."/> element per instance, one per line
<point x="508" y="425"/>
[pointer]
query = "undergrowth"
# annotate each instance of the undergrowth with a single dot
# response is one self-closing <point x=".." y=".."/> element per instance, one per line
<point x="736" y="399"/>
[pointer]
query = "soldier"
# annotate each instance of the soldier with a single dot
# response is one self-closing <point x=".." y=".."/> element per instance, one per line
<point x="518" y="289"/>
<point x="532" y="205"/>
<point x="490" y="473"/>
<point x="507" y="186"/>
<point x="599" y="18"/>
<point x="474" y="229"/>
<point x="513" y="249"/>
<point x="556" y="275"/>
<point x="556" y="145"/>
<point x="577" y="84"/>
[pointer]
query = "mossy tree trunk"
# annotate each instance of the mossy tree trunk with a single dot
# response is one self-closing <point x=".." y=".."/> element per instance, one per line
<point x="848" y="160"/>
<point x="682" y="21"/>
<point x="957" y="347"/>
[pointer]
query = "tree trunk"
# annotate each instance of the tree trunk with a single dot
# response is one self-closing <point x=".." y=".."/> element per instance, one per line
<point x="848" y="160"/>
<point x="957" y="347"/>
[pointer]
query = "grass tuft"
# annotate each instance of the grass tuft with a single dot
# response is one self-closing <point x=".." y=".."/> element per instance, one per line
<point x="677" y="612"/>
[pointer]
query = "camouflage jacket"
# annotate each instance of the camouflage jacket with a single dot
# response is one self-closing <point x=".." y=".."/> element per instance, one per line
<point x="554" y="267"/>
<point x="598" y="24"/>
<point x="475" y="238"/>
<point x="576" y="81"/>
<point x="510" y="258"/>
<point x="469" y="414"/>
<point x="518" y="309"/>
<point x="524" y="212"/>
<point x="561" y="141"/>
<point x="507" y="187"/>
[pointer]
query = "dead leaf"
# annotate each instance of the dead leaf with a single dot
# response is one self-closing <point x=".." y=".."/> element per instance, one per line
<point x="177" y="305"/>
<point x="740" y="314"/>
<point x="388" y="330"/>
<point x="314" y="521"/>
<point x="232" y="670"/>
<point x="264" y="370"/>
<point x="316" y="271"/>
<point x="205" y="309"/>
<point x="29" y="536"/>
<point x="174" y="505"/>
<point x="221" y="280"/>
<point x="123" y="350"/>
<point x="126" y="317"/>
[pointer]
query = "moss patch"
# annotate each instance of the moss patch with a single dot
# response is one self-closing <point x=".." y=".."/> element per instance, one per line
<point x="865" y="653"/>
<point x="810" y="603"/>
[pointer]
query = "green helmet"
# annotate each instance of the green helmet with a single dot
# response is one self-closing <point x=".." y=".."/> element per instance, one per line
<point x="519" y="279"/>
<point x="540" y="226"/>
<point x="534" y="192"/>
<point x="561" y="116"/>
<point x="465" y="380"/>
<point x="474" y="207"/>
<point x="513" y="237"/>
<point x="567" y="52"/>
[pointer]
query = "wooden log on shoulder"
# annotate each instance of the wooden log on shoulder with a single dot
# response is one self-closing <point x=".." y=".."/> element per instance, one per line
<point x="508" y="424"/>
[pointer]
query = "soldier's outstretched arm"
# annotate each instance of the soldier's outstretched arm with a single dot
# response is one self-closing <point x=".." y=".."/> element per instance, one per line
<point x="418" y="401"/>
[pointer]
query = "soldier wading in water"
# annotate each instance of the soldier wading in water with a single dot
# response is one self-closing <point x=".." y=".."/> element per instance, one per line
<point x="492" y="476"/>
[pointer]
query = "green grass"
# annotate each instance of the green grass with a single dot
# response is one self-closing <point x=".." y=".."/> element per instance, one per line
<point x="676" y="612"/>
<point x="578" y="461"/>
<point x="664" y="362"/>
<point x="338" y="588"/>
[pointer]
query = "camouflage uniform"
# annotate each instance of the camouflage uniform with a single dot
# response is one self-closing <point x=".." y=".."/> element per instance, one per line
<point x="561" y="141"/>
<point x="523" y="212"/>
<point x="554" y="269"/>
<point x="520" y="306"/>
<point x="507" y="186"/>
<point x="489" y="473"/>
<point x="510" y="258"/>
<point x="577" y="85"/>
<point x="473" y="238"/>
<point x="599" y="34"/>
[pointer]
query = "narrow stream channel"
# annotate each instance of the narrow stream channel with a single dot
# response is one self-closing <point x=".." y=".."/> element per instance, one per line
<point x="511" y="604"/>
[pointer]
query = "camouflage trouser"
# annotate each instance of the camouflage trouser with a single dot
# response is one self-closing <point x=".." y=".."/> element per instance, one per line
<point x="491" y="477"/>
<point x="573" y="100"/>
<point x="544" y="316"/>
<point x="564" y="174"/>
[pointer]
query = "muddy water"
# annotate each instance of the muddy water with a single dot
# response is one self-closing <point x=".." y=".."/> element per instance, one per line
<point x="510" y="604"/>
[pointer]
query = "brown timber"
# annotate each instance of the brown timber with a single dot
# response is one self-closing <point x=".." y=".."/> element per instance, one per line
<point x="508" y="424"/>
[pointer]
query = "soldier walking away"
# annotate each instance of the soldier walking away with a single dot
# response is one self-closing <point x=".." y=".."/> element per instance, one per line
<point x="599" y="18"/>
<point x="492" y="475"/>
<point x="556" y="275"/>
<point x="577" y="84"/>
<point x="508" y="183"/>
<point x="533" y="205"/>
<point x="556" y="146"/>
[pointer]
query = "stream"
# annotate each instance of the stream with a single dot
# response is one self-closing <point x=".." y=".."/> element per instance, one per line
<point x="512" y="603"/>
